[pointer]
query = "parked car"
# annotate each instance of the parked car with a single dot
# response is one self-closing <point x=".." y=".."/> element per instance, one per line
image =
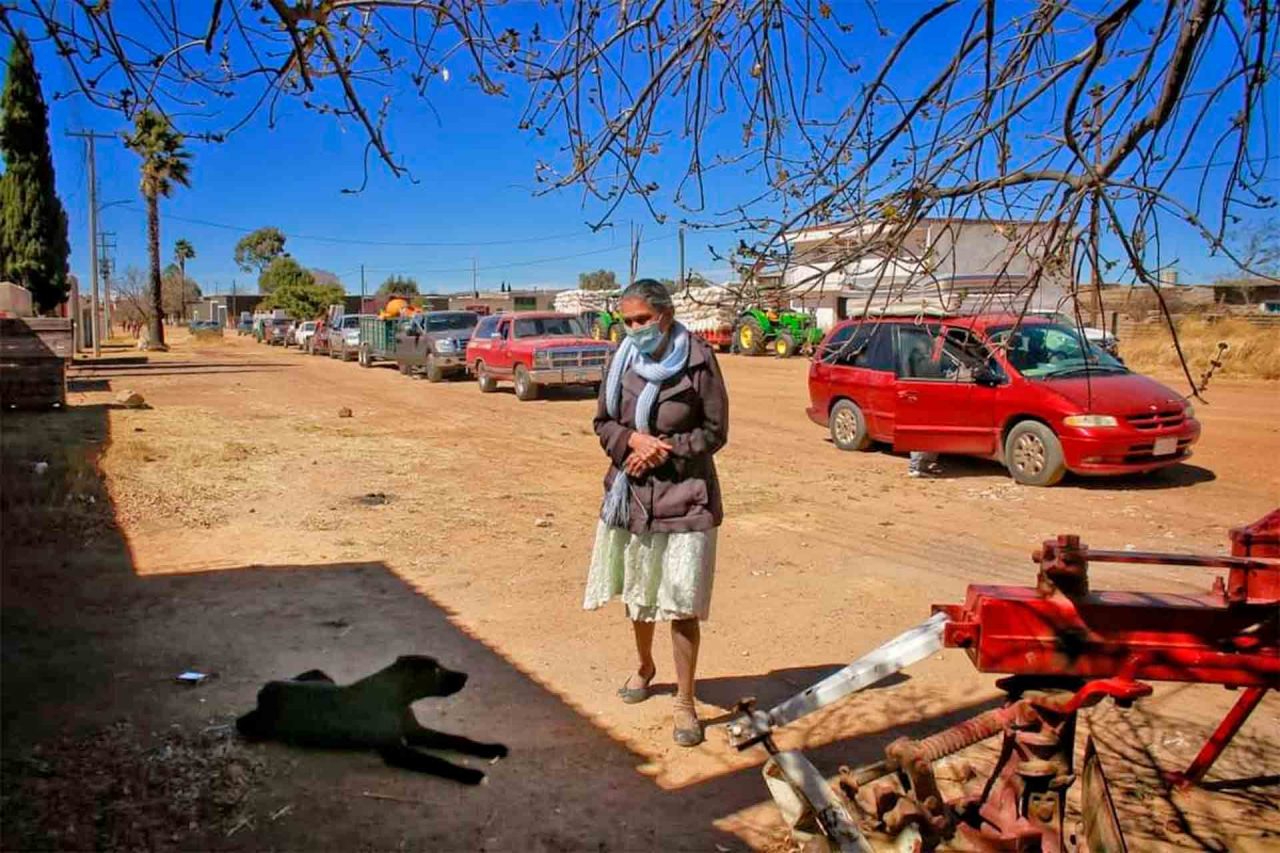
<point x="532" y="349"/>
<point x="302" y="332"/>
<point x="1098" y="337"/>
<point x="1032" y="396"/>
<point x="275" y="331"/>
<point x="435" y="343"/>
<point x="344" y="337"/>
<point x="318" y="343"/>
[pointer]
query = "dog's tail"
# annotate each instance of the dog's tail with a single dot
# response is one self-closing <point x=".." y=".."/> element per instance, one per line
<point x="252" y="725"/>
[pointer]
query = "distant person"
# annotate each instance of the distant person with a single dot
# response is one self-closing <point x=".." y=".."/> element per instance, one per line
<point x="662" y="414"/>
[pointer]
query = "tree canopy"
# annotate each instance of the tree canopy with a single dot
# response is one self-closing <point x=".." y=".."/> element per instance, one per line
<point x="283" y="271"/>
<point x="177" y="290"/>
<point x="34" y="248"/>
<point x="302" y="298"/>
<point x="399" y="285"/>
<point x="598" y="280"/>
<point x="255" y="251"/>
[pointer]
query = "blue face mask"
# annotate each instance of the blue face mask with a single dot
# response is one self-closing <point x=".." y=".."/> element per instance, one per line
<point x="646" y="338"/>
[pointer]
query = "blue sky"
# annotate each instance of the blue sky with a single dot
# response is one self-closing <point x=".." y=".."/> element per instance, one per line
<point x="472" y="188"/>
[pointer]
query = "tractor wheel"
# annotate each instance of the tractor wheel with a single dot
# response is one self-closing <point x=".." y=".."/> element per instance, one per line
<point x="615" y="333"/>
<point x="487" y="383"/>
<point x="434" y="373"/>
<point x="848" y="426"/>
<point x="784" y="346"/>
<point x="1033" y="454"/>
<point x="749" y="337"/>
<point x="526" y="388"/>
<point x="597" y="330"/>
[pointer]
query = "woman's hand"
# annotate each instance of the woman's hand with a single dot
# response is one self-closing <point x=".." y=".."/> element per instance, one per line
<point x="647" y="452"/>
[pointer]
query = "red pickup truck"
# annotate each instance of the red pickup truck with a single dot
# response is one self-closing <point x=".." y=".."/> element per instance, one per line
<point x="532" y="349"/>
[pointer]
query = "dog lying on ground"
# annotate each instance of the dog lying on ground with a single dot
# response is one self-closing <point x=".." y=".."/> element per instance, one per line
<point x="373" y="713"/>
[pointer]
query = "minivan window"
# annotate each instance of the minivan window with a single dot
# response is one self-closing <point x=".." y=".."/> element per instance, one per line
<point x="1049" y="350"/>
<point x="865" y="345"/>
<point x="918" y="357"/>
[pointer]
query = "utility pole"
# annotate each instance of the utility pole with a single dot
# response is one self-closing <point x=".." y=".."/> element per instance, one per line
<point x="635" y="252"/>
<point x="362" y="288"/>
<point x="106" y="265"/>
<point x="95" y="321"/>
<point x="475" y="279"/>
<point x="680" y="277"/>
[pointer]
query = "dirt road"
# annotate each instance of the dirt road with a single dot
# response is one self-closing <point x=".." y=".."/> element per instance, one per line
<point x="258" y="534"/>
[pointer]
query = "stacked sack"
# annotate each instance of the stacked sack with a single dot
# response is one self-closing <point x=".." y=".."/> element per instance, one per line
<point x="705" y="309"/>
<point x="577" y="301"/>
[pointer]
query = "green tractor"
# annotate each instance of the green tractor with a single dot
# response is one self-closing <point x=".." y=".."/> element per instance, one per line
<point x="606" y="326"/>
<point x="784" y="332"/>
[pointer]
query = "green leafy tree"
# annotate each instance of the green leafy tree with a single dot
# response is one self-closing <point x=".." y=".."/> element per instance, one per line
<point x="302" y="298"/>
<point x="399" y="285"/>
<point x="598" y="280"/>
<point x="33" y="225"/>
<point x="256" y="250"/>
<point x="165" y="163"/>
<point x="284" y="270"/>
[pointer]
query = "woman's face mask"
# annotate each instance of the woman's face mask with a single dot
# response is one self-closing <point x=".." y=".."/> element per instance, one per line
<point x="646" y="338"/>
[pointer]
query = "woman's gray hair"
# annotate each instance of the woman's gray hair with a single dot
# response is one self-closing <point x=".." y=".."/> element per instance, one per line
<point x="653" y="293"/>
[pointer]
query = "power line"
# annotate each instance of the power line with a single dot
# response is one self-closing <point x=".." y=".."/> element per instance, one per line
<point x="348" y="241"/>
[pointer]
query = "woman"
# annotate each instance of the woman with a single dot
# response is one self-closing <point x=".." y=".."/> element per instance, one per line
<point x="662" y="414"/>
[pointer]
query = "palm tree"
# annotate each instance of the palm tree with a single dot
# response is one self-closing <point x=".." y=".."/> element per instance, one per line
<point x="164" y="163"/>
<point x="183" y="251"/>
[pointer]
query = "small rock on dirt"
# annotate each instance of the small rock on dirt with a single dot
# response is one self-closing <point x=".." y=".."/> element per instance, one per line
<point x="344" y="412"/>
<point x="131" y="400"/>
<point x="542" y="522"/>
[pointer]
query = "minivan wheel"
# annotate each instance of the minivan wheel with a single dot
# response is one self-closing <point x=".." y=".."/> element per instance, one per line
<point x="848" y="426"/>
<point x="526" y="388"/>
<point x="1033" y="454"/>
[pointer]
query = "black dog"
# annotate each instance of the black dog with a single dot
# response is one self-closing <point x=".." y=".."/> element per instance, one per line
<point x="372" y="713"/>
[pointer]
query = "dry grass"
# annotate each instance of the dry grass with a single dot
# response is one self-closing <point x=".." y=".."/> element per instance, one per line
<point x="1253" y="352"/>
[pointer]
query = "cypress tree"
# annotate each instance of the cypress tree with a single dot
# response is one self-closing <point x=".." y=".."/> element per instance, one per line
<point x="33" y="226"/>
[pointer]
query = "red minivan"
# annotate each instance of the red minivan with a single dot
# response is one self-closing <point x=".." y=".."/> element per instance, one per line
<point x="1029" y="394"/>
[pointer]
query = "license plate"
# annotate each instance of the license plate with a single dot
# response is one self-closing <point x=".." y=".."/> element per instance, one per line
<point x="1165" y="446"/>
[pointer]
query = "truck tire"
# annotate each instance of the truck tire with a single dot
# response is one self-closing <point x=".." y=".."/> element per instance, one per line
<point x="433" y="371"/>
<point x="487" y="383"/>
<point x="1033" y="454"/>
<point x="526" y="388"/>
<point x="784" y="346"/>
<point x="749" y="337"/>
<point x="848" y="426"/>
<point x="364" y="357"/>
<point x="404" y="368"/>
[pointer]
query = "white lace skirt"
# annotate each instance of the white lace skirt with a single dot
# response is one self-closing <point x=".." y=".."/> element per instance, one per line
<point x="660" y="577"/>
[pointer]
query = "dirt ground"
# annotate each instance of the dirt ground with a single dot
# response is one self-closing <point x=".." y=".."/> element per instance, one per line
<point x="239" y="526"/>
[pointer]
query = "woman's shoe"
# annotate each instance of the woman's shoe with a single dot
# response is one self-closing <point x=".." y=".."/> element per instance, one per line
<point x="690" y="736"/>
<point x="636" y="695"/>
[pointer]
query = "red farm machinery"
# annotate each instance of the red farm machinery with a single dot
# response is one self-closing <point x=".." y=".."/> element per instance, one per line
<point x="1061" y="646"/>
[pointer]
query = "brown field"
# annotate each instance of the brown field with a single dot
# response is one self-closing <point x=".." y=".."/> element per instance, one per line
<point x="1253" y="352"/>
<point x="240" y="527"/>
